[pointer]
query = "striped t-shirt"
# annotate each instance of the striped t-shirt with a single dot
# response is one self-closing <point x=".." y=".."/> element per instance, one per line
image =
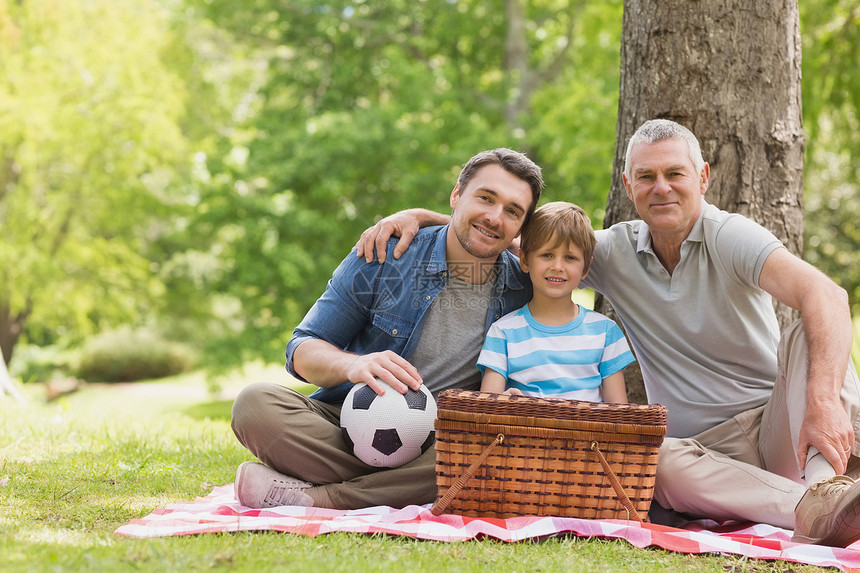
<point x="567" y="361"/>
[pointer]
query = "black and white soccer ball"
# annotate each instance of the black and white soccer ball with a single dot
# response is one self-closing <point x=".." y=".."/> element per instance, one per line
<point x="388" y="430"/>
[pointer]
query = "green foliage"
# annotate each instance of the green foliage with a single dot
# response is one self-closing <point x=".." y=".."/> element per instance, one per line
<point x="831" y="115"/>
<point x="126" y="356"/>
<point x="205" y="164"/>
<point x="574" y="118"/>
<point x="372" y="107"/>
<point x="832" y="211"/>
<point x="41" y="363"/>
<point x="831" y="48"/>
<point x="90" y="157"/>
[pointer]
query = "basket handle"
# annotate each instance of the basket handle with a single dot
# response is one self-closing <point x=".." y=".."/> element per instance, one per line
<point x="632" y="514"/>
<point x="443" y="502"/>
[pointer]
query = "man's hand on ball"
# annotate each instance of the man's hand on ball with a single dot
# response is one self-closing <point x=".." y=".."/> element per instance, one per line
<point x="381" y="370"/>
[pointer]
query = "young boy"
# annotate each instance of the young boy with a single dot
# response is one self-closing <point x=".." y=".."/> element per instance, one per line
<point x="553" y="347"/>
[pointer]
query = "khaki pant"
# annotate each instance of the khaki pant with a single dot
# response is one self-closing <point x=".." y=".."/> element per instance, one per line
<point x="746" y="468"/>
<point x="300" y="437"/>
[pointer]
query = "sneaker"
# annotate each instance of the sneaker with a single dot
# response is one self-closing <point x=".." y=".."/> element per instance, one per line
<point x="259" y="486"/>
<point x="829" y="513"/>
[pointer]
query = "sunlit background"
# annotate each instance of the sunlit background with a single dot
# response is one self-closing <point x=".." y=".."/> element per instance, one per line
<point x="178" y="178"/>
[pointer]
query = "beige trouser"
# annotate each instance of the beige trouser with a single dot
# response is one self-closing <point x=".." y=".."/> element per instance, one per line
<point x="746" y="468"/>
<point x="301" y="437"/>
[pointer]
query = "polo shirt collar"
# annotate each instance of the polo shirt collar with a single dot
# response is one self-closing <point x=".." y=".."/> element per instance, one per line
<point x="697" y="233"/>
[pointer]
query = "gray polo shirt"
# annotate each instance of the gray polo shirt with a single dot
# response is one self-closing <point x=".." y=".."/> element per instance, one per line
<point x="706" y="335"/>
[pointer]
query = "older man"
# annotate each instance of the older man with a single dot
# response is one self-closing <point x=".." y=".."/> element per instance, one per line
<point x="761" y="425"/>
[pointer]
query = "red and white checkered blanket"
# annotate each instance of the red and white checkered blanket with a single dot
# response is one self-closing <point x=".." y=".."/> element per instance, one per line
<point x="219" y="512"/>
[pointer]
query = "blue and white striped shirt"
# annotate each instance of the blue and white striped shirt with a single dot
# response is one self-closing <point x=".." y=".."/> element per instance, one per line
<point x="567" y="361"/>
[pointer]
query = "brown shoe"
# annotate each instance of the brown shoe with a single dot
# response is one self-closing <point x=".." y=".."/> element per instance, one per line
<point x="259" y="486"/>
<point x="829" y="513"/>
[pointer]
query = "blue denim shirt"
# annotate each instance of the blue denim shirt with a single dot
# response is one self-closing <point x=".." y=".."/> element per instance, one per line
<point x="374" y="307"/>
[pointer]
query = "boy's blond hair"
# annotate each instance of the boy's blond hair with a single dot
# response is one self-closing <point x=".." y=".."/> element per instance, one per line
<point x="562" y="223"/>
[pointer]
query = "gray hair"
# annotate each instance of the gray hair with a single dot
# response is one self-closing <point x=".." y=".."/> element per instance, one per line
<point x="655" y="130"/>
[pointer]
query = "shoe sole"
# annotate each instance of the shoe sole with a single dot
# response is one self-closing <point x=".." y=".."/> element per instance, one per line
<point x="844" y="531"/>
<point x="846" y="526"/>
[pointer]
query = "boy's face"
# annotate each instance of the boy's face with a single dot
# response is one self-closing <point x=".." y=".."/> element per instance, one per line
<point x="555" y="271"/>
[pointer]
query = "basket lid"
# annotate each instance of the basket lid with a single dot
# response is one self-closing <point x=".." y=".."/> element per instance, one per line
<point x="554" y="408"/>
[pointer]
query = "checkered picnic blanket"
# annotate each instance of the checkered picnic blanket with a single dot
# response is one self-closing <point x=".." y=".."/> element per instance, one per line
<point x="220" y="512"/>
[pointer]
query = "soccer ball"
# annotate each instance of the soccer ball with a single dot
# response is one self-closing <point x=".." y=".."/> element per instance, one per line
<point x="389" y="430"/>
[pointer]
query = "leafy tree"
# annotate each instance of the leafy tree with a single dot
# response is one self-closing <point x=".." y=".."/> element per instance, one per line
<point x="89" y="147"/>
<point x="371" y="107"/>
<point x="831" y="116"/>
<point x="204" y="164"/>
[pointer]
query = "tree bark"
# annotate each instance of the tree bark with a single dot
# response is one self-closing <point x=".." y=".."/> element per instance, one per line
<point x="729" y="70"/>
<point x="11" y="326"/>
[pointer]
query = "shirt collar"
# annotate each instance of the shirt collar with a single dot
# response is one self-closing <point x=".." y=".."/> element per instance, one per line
<point x="509" y="266"/>
<point x="644" y="243"/>
<point x="438" y="262"/>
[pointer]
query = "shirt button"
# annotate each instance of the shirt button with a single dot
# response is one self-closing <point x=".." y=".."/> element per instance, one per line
<point x="427" y="297"/>
<point x="444" y="273"/>
<point x="394" y="332"/>
<point x="497" y="316"/>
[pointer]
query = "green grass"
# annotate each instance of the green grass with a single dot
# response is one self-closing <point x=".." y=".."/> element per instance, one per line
<point x="74" y="470"/>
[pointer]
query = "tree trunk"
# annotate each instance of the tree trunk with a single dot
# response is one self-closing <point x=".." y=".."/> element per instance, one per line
<point x="517" y="63"/>
<point x="11" y="326"/>
<point x="729" y="70"/>
<point x="524" y="78"/>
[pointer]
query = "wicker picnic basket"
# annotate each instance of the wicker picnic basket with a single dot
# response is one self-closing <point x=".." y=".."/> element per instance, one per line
<point x="504" y="456"/>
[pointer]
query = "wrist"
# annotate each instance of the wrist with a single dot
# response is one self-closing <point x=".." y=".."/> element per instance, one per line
<point x="428" y="218"/>
<point x="823" y="401"/>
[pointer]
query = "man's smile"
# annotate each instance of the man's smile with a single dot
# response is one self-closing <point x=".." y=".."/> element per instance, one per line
<point x="664" y="204"/>
<point x="485" y="232"/>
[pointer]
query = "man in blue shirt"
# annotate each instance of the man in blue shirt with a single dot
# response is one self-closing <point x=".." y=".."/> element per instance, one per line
<point x="419" y="319"/>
